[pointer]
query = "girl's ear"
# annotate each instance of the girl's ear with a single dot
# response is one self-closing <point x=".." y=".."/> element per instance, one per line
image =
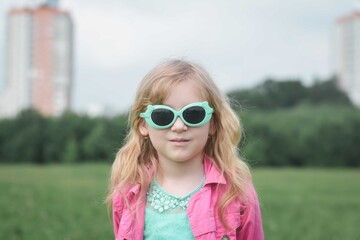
<point x="143" y="128"/>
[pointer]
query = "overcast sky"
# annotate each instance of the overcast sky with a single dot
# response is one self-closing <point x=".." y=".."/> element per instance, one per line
<point x="240" y="42"/>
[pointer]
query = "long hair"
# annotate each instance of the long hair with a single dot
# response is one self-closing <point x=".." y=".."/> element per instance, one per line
<point x="131" y="165"/>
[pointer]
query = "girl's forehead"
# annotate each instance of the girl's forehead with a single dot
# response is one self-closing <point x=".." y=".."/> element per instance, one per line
<point x="187" y="89"/>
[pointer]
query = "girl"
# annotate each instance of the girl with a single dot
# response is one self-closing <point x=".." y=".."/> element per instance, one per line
<point x="179" y="176"/>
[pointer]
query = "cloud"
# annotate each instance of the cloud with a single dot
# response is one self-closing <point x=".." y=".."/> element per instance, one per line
<point x="119" y="35"/>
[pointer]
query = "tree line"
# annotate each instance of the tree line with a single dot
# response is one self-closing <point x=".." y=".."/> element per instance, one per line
<point x="70" y="138"/>
<point x="274" y="94"/>
<point x="284" y="123"/>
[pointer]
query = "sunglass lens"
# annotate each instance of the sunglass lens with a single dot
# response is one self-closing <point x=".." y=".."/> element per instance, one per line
<point x="194" y="114"/>
<point x="162" y="117"/>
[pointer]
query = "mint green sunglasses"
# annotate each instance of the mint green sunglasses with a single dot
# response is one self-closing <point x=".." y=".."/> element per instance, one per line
<point x="162" y="116"/>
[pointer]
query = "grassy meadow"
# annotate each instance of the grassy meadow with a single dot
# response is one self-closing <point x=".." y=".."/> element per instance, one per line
<point x="66" y="202"/>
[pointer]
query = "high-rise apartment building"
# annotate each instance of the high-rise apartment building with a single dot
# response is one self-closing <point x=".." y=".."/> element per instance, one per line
<point x="39" y="60"/>
<point x="347" y="55"/>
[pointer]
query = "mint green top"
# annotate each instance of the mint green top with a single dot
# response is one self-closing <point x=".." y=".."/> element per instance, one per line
<point x="165" y="214"/>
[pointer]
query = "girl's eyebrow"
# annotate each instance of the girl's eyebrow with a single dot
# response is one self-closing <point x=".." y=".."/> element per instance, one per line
<point x="161" y="104"/>
<point x="172" y="106"/>
<point x="168" y="105"/>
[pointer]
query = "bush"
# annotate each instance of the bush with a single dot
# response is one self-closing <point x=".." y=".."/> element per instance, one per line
<point x="303" y="136"/>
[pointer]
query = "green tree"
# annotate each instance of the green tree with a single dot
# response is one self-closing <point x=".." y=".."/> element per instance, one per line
<point x="273" y="94"/>
<point x="96" y="143"/>
<point x="24" y="138"/>
<point x="71" y="154"/>
<point x="327" y="92"/>
<point x="61" y="130"/>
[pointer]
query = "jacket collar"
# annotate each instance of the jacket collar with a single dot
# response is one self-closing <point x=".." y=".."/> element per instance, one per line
<point x="212" y="172"/>
<point x="134" y="189"/>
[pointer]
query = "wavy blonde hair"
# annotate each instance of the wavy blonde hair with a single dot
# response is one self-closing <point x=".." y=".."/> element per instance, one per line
<point x="131" y="165"/>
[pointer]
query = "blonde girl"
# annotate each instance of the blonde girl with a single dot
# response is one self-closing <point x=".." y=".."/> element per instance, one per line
<point x="178" y="175"/>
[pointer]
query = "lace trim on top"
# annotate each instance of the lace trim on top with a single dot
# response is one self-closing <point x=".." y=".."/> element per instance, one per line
<point x="161" y="201"/>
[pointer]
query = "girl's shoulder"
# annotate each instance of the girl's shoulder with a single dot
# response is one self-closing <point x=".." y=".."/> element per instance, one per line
<point x="249" y="197"/>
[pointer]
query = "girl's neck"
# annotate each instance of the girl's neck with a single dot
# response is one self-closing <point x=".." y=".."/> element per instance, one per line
<point x="180" y="178"/>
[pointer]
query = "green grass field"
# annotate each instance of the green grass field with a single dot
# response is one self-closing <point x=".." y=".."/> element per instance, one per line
<point x="66" y="202"/>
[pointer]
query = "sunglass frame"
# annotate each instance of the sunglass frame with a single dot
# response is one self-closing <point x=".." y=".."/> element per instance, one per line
<point x="150" y="108"/>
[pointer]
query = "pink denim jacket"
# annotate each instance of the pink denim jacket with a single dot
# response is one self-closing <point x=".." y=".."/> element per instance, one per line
<point x="244" y="219"/>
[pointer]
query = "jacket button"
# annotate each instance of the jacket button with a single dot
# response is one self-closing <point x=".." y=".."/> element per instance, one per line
<point x="225" y="237"/>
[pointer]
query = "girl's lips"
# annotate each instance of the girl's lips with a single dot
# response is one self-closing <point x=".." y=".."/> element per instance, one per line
<point x="179" y="140"/>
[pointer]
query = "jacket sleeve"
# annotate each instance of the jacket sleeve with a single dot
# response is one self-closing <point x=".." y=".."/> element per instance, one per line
<point x="251" y="223"/>
<point x="117" y="210"/>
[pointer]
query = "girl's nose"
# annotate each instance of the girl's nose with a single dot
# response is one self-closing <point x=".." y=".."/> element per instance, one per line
<point x="179" y="125"/>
